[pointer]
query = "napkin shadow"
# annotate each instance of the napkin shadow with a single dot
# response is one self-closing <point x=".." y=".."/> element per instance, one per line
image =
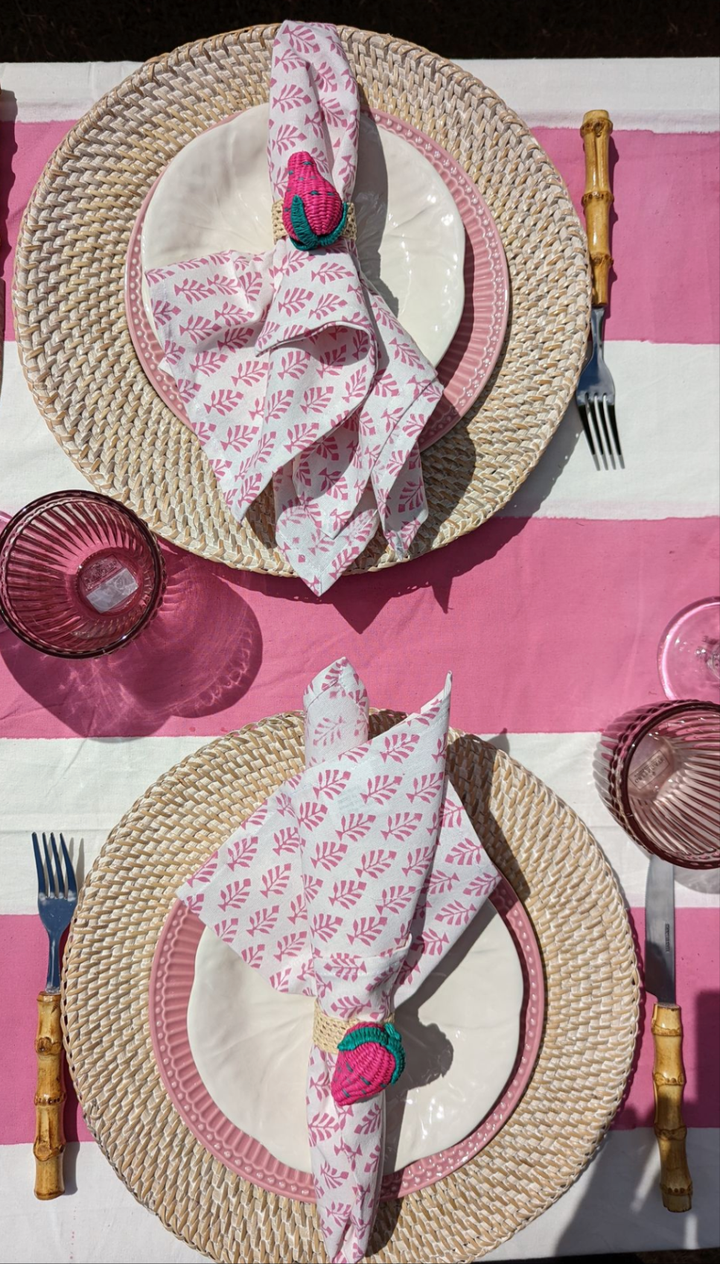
<point x="361" y="598"/>
<point x="197" y="657"/>
<point x="371" y="204"/>
<point x="431" y="1050"/>
<point x="361" y="595"/>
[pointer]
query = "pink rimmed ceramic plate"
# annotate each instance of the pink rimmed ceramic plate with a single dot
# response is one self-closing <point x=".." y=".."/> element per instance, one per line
<point x="448" y="281"/>
<point x="232" y="1052"/>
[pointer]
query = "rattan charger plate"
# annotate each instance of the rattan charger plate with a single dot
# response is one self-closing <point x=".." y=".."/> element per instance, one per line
<point x="590" y="1023"/>
<point x="69" y="295"/>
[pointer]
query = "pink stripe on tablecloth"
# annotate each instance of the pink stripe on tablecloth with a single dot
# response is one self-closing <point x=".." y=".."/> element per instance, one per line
<point x="665" y="240"/>
<point x="550" y="625"/>
<point x="23" y="951"/>
<point x="665" y="230"/>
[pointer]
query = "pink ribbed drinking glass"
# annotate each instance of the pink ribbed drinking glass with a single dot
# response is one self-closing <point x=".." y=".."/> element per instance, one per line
<point x="658" y="771"/>
<point x="80" y="575"/>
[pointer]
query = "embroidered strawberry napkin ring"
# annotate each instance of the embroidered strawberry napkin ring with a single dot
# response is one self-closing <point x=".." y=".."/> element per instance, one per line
<point x="370" y="1056"/>
<point x="311" y="214"/>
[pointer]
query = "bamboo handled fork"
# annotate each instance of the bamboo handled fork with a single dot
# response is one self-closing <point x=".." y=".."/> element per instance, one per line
<point x="595" y="395"/>
<point x="57" y="898"/>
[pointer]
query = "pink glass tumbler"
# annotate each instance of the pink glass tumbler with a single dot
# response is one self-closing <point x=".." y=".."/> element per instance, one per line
<point x="658" y="771"/>
<point x="80" y="575"/>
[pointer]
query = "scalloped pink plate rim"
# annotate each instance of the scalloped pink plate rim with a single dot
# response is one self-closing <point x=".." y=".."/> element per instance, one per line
<point x="473" y="353"/>
<point x="175" y="956"/>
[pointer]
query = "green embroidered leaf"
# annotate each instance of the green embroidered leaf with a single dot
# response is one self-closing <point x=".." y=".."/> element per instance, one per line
<point x="303" y="236"/>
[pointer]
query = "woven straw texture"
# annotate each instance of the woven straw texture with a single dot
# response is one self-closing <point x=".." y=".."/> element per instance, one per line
<point x="329" y="1031"/>
<point x="279" y="230"/>
<point x="590" y="1024"/>
<point x="70" y="313"/>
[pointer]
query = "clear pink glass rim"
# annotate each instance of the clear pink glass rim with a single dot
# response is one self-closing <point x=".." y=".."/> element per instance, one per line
<point x="14" y="527"/>
<point x="665" y="644"/>
<point x="622" y="742"/>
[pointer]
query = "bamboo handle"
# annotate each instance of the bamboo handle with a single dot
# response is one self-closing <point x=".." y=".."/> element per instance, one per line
<point x="597" y="199"/>
<point x="670" y="1130"/>
<point x="49" y="1099"/>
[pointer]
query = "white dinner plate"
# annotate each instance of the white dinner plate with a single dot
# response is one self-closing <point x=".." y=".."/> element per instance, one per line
<point x="461" y="1032"/>
<point x="215" y="195"/>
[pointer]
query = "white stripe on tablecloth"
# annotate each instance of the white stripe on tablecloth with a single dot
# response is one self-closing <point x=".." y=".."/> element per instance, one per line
<point x="673" y="94"/>
<point x="613" y="1207"/>
<point x="34" y="92"/>
<point x="33" y="463"/>
<point x="668" y="400"/>
<point x="84" y="785"/>
<point x="78" y="785"/>
<point x="668" y="404"/>
<point x="97" y="1219"/>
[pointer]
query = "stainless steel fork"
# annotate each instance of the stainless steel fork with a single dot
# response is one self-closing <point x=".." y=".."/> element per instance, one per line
<point x="595" y="394"/>
<point x="595" y="398"/>
<point x="57" y="898"/>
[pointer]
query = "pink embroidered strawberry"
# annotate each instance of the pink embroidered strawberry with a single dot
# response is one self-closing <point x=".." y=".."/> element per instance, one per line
<point x="370" y="1058"/>
<point x="313" y="211"/>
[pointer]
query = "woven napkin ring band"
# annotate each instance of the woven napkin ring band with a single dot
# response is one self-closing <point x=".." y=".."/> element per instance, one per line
<point x="370" y="1056"/>
<point x="348" y="230"/>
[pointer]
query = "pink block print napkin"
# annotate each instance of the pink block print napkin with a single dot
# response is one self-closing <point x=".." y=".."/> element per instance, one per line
<point x="350" y="884"/>
<point x="291" y="367"/>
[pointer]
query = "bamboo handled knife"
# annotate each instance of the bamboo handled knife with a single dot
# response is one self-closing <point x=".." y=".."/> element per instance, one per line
<point x="668" y="1071"/>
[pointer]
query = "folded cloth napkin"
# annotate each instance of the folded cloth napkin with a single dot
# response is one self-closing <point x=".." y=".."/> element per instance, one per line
<point x="350" y="884"/>
<point x="291" y="367"/>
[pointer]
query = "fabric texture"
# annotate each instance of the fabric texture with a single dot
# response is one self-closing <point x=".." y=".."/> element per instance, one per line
<point x="350" y="884"/>
<point x="292" y="368"/>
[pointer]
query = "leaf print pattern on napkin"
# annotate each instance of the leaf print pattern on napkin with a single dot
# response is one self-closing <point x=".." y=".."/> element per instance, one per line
<point x="291" y="367"/>
<point x="364" y="869"/>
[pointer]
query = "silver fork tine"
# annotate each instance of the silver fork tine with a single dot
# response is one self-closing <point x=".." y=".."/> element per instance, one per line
<point x="69" y="871"/>
<point x="613" y="426"/>
<point x="597" y="432"/>
<point x="604" y="406"/>
<point x="42" y="888"/>
<point x="48" y="867"/>
<point x="58" y="867"/>
<point x="600" y="412"/>
<point x="588" y="433"/>
<point x="600" y="421"/>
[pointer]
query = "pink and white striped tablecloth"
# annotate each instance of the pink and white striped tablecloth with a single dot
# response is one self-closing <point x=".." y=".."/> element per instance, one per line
<point x="549" y="617"/>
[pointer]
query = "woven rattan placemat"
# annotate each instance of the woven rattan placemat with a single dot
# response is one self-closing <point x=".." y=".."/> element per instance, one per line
<point x="70" y="312"/>
<point x="591" y="1018"/>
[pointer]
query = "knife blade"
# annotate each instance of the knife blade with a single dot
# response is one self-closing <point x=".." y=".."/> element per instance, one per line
<point x="660" y="931"/>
